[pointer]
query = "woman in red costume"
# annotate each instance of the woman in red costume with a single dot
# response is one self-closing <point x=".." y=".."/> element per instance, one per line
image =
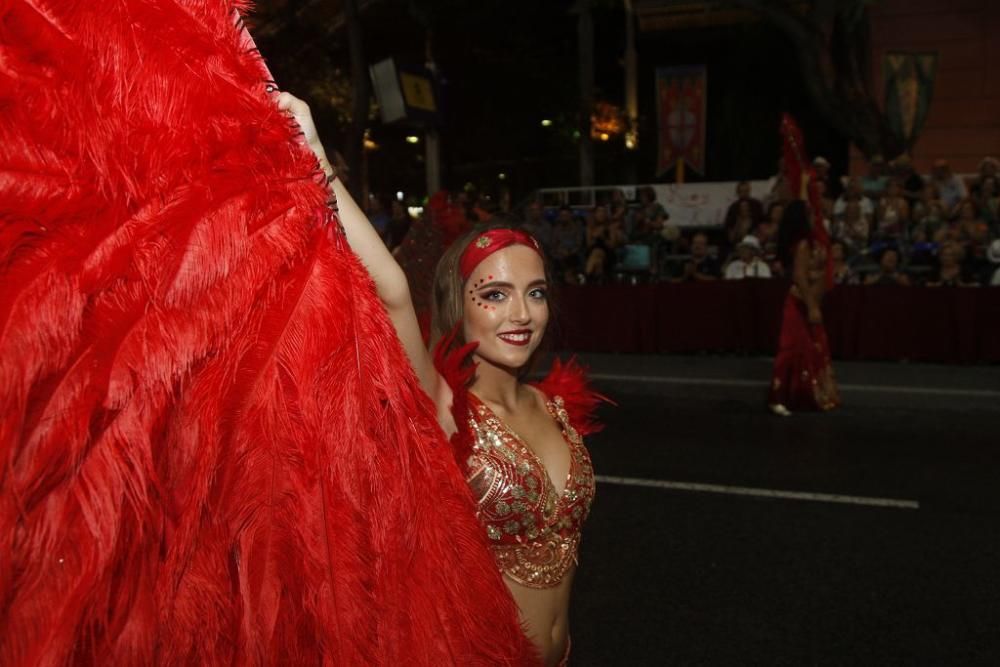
<point x="213" y="450"/>
<point x="803" y="375"/>
<point x="519" y="445"/>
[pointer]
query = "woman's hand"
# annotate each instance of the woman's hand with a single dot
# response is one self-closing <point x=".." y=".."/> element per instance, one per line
<point x="299" y="110"/>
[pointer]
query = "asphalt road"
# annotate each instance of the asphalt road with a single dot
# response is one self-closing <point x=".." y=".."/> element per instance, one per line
<point x="723" y="535"/>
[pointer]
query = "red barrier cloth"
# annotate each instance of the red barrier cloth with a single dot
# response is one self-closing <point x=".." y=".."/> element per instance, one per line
<point x="925" y="324"/>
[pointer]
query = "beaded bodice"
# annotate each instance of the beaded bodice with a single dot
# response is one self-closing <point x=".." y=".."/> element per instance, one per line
<point x="533" y="529"/>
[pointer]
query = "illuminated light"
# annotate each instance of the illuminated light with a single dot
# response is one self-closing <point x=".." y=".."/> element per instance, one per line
<point x="415" y="211"/>
<point x="399" y="196"/>
<point x="546" y="122"/>
<point x="502" y="176"/>
<point x="370" y="145"/>
<point x="412" y="139"/>
<point x="606" y="121"/>
<point x="576" y="134"/>
<point x="631" y="140"/>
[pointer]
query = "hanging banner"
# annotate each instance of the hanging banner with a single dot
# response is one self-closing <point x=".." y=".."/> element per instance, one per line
<point x="681" y="102"/>
<point x="909" y="83"/>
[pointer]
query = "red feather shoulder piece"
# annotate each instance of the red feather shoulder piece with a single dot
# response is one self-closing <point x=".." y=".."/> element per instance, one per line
<point x="569" y="381"/>
<point x="565" y="380"/>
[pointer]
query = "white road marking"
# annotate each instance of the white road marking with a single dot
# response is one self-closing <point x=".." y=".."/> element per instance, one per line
<point x="871" y="388"/>
<point x="760" y="493"/>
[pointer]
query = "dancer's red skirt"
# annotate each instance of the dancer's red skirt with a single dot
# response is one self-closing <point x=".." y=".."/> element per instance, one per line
<point x="803" y="377"/>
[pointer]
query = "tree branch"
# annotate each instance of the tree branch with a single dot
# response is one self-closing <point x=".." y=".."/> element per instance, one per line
<point x="834" y="50"/>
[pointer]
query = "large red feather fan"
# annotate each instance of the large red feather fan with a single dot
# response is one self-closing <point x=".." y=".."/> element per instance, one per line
<point x="212" y="448"/>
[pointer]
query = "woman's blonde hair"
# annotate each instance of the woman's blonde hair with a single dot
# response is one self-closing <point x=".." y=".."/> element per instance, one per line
<point x="447" y="304"/>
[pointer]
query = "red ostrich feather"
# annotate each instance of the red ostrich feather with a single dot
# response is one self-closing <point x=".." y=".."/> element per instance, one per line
<point x="212" y="448"/>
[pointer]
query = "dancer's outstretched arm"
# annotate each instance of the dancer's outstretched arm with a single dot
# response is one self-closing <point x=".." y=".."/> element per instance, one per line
<point x="390" y="281"/>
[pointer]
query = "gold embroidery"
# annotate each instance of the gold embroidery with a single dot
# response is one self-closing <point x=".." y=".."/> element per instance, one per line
<point x="825" y="391"/>
<point x="535" y="531"/>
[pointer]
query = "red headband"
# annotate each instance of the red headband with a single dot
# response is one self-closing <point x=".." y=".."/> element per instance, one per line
<point x="488" y="243"/>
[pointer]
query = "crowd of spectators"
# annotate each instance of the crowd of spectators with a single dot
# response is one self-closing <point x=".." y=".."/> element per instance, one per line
<point x="889" y="227"/>
<point x="894" y="227"/>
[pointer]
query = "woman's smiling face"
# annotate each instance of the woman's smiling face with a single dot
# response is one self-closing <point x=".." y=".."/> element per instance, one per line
<point x="506" y="306"/>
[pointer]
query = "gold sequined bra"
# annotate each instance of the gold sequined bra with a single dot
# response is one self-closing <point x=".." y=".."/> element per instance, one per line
<point x="533" y="529"/>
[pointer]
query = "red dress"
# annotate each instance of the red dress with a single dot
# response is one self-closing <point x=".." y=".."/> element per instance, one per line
<point x="803" y="377"/>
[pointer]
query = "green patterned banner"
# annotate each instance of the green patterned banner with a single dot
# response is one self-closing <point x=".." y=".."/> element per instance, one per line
<point x="909" y="84"/>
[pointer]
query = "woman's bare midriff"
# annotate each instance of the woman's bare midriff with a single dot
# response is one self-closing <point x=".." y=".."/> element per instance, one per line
<point x="816" y="273"/>
<point x="545" y="614"/>
<point x="815" y="285"/>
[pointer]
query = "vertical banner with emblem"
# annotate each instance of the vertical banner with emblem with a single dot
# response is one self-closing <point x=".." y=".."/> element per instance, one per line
<point x="909" y="83"/>
<point x="680" y="111"/>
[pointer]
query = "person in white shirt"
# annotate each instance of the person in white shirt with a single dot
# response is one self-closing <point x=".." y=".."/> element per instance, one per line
<point x="748" y="263"/>
<point x="950" y="185"/>
<point x="854" y="193"/>
<point x="993" y="254"/>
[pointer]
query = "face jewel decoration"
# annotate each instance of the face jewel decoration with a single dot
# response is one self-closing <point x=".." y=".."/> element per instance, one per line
<point x="475" y="299"/>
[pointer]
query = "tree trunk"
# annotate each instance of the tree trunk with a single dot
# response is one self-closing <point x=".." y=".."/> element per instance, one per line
<point x="360" y="93"/>
<point x="833" y="45"/>
<point x="585" y="52"/>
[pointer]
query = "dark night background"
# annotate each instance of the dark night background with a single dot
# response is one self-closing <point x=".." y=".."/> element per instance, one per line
<point x="507" y="65"/>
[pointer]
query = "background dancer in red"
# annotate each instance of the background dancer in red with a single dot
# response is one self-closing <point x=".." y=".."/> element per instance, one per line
<point x="443" y="221"/>
<point x="803" y="376"/>
<point x="212" y="448"/>
<point x="520" y="445"/>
